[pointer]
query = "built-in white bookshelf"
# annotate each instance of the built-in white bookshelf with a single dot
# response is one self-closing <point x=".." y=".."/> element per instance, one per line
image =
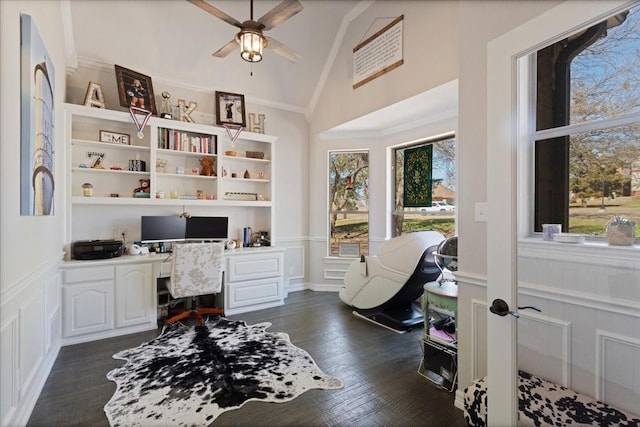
<point x="168" y="156"/>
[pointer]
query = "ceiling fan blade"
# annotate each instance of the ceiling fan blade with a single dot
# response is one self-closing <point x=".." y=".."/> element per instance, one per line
<point x="283" y="50"/>
<point x="226" y="49"/>
<point x="276" y="16"/>
<point x="215" y="12"/>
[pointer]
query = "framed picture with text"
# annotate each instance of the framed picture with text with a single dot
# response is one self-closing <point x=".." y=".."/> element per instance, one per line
<point x="115" y="137"/>
<point x="351" y="250"/>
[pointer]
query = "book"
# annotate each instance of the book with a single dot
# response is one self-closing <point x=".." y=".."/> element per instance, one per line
<point x="441" y="336"/>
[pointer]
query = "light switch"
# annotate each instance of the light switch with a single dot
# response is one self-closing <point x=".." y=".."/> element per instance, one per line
<point x="482" y="211"/>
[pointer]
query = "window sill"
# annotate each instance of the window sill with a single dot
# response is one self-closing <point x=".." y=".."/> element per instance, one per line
<point x="591" y="252"/>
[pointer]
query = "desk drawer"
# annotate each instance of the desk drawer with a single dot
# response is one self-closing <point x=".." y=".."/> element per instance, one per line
<point x="241" y="268"/>
<point x="88" y="274"/>
<point x="253" y="292"/>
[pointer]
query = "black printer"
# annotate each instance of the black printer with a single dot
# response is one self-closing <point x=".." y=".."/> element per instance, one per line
<point x="97" y="249"/>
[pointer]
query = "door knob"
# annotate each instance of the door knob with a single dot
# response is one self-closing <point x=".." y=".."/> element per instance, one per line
<point x="501" y="308"/>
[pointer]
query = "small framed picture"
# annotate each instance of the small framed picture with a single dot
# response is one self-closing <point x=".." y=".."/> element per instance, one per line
<point x="351" y="250"/>
<point x="135" y="90"/>
<point x="230" y="109"/>
<point x="114" y="137"/>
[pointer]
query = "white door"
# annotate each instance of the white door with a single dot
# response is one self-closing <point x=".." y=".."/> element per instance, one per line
<point x="504" y="136"/>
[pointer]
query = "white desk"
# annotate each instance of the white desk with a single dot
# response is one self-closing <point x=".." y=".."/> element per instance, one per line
<point x="117" y="296"/>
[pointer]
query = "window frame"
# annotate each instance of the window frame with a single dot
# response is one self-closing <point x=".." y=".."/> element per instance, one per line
<point x="393" y="212"/>
<point x="527" y="101"/>
<point x="330" y="211"/>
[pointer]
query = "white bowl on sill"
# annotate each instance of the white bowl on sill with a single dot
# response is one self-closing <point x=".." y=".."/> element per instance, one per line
<point x="568" y="238"/>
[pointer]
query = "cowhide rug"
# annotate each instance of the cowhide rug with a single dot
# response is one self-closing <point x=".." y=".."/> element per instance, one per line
<point x="188" y="376"/>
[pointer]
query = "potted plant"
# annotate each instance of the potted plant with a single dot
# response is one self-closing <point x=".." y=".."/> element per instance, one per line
<point x="621" y="231"/>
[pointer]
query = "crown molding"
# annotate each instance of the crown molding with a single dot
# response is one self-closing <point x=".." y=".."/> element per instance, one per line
<point x="69" y="42"/>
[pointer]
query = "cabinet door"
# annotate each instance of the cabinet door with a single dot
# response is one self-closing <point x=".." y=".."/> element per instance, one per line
<point x="88" y="307"/>
<point x="133" y="299"/>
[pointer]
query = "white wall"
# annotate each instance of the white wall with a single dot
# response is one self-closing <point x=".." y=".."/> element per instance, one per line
<point x="430" y="45"/>
<point x="30" y="247"/>
<point x="479" y="23"/>
<point x="430" y="60"/>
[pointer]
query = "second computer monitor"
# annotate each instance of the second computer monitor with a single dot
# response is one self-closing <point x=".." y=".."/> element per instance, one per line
<point x="207" y="228"/>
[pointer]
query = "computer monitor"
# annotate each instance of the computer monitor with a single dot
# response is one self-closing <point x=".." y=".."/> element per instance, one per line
<point x="162" y="229"/>
<point x="207" y="228"/>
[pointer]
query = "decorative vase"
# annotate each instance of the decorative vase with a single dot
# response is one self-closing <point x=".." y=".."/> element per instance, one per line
<point x="621" y="231"/>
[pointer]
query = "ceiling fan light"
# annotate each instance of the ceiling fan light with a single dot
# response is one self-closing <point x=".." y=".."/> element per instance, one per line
<point x="251" y="45"/>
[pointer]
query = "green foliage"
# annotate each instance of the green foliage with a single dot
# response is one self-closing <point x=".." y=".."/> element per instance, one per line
<point x="348" y="180"/>
<point x="446" y="226"/>
<point x="591" y="220"/>
<point x="620" y="221"/>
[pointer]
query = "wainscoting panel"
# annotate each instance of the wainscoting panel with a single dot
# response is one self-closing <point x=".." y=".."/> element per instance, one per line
<point x="336" y="268"/>
<point x="612" y="383"/>
<point x="29" y="339"/>
<point x="330" y="274"/>
<point x="295" y="271"/>
<point x="478" y="339"/>
<point x="294" y="262"/>
<point x="544" y="347"/>
<point x="9" y="370"/>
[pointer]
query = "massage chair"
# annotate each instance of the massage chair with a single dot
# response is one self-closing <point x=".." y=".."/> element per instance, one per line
<point x="384" y="288"/>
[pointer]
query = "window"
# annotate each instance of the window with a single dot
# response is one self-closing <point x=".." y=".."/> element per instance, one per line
<point x="587" y="139"/>
<point x="349" y="203"/>
<point x="438" y="210"/>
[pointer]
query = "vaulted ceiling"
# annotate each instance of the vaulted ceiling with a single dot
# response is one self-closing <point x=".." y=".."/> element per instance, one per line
<point x="172" y="41"/>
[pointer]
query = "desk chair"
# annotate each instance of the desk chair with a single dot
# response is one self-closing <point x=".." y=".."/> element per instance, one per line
<point x="196" y="270"/>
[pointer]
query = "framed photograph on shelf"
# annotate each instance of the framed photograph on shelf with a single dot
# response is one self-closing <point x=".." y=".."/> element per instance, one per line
<point x="230" y="109"/>
<point x="115" y="137"/>
<point x="135" y="89"/>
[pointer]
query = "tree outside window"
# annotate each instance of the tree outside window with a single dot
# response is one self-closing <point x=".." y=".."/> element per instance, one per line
<point x="349" y="203"/>
<point x="587" y="144"/>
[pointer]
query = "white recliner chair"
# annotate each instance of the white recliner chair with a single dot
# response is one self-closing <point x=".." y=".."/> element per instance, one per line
<point x="384" y="288"/>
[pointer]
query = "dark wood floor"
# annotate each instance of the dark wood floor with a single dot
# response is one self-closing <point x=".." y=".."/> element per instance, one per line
<point x="378" y="367"/>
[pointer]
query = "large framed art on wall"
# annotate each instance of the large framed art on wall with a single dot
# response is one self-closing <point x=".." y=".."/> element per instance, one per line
<point x="37" y="77"/>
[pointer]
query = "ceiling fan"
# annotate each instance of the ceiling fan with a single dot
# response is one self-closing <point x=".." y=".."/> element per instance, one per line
<point x="251" y="38"/>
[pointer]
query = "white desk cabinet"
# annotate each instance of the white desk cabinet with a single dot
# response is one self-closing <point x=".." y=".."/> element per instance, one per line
<point x="118" y="296"/>
<point x="253" y="279"/>
<point x="87" y="300"/>
<point x="106" y="298"/>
